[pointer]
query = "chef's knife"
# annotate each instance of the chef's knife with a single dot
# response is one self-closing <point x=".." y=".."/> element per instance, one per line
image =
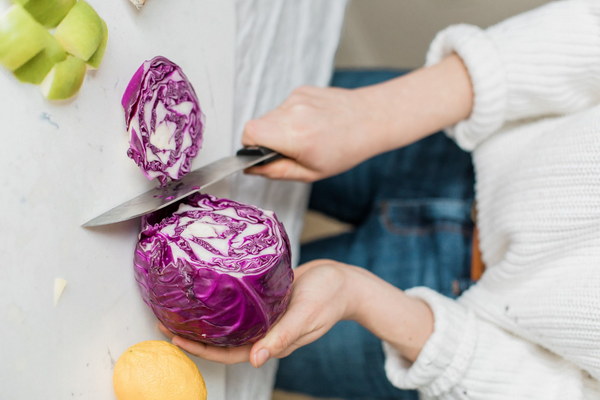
<point x="200" y="178"/>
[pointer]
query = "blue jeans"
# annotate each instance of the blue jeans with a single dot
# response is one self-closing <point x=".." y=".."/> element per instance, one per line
<point x="410" y="209"/>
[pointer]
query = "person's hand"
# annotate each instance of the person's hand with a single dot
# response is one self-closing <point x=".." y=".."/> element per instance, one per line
<point x="326" y="131"/>
<point x="320" y="298"/>
<point x="321" y="131"/>
<point x="324" y="293"/>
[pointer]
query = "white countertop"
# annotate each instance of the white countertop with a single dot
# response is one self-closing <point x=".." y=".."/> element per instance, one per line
<point x="63" y="163"/>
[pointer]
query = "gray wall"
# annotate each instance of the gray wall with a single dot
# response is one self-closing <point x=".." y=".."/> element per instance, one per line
<point x="396" y="33"/>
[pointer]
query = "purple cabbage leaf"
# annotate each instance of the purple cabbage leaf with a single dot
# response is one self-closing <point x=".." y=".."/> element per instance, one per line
<point x="215" y="270"/>
<point x="164" y="120"/>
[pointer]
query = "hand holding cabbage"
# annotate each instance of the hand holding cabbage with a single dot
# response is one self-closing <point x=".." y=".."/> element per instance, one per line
<point x="325" y="292"/>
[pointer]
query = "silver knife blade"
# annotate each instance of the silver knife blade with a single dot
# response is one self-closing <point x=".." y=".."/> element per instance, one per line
<point x="198" y="179"/>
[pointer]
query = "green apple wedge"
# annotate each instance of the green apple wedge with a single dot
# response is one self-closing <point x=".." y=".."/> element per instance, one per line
<point x="35" y="70"/>
<point x="47" y="12"/>
<point x="64" y="79"/>
<point x="96" y="59"/>
<point x="80" y="32"/>
<point x="21" y="37"/>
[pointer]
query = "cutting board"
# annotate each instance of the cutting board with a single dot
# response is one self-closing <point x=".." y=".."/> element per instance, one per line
<point x="63" y="163"/>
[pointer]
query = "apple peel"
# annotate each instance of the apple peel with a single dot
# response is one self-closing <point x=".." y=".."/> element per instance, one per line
<point x="21" y="37"/>
<point x="64" y="79"/>
<point x="80" y="32"/>
<point x="35" y="70"/>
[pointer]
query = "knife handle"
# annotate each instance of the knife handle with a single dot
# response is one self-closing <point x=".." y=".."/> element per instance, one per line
<point x="259" y="151"/>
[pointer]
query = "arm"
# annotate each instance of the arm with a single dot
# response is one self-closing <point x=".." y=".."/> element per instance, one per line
<point x="324" y="293"/>
<point x="452" y="356"/>
<point x="540" y="63"/>
<point x="458" y="356"/>
<point x="325" y="131"/>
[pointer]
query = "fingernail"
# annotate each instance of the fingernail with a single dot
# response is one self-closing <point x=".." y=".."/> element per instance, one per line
<point x="261" y="357"/>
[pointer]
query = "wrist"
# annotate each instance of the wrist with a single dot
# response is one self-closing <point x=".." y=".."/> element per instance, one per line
<point x="406" y="109"/>
<point x="404" y="322"/>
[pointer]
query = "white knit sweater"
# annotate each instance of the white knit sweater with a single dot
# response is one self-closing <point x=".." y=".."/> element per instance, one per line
<point x="530" y="328"/>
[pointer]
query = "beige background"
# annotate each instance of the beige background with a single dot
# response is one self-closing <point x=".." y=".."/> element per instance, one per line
<point x="396" y="34"/>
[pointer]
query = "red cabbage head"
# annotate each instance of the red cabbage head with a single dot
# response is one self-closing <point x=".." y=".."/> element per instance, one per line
<point x="215" y="271"/>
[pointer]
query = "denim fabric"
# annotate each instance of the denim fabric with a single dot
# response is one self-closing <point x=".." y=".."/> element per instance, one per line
<point x="411" y="213"/>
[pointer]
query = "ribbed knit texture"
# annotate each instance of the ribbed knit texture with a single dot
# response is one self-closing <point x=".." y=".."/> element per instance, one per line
<point x="540" y="63"/>
<point x="530" y="328"/>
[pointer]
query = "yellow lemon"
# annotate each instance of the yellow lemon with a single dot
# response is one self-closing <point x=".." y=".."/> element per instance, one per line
<point x="157" y="370"/>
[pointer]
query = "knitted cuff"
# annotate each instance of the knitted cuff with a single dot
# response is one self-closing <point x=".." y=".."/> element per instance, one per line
<point x="486" y="70"/>
<point x="551" y="58"/>
<point x="446" y="355"/>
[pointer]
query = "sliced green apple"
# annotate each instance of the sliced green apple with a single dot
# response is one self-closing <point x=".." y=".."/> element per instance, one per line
<point x="35" y="70"/>
<point x="64" y="79"/>
<point x="47" y="12"/>
<point x="80" y="32"/>
<point x="96" y="59"/>
<point x="21" y="37"/>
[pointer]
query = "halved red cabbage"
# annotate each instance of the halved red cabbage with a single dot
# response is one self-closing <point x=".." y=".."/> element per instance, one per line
<point x="215" y="271"/>
<point x="164" y="120"/>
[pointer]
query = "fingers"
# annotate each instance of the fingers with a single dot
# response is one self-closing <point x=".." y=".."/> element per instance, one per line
<point x="287" y="335"/>
<point x="272" y="131"/>
<point x="165" y="331"/>
<point x="297" y="327"/>
<point x="285" y="168"/>
<point x="224" y="355"/>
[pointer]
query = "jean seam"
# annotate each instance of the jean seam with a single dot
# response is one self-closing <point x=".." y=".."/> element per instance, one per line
<point x="453" y="227"/>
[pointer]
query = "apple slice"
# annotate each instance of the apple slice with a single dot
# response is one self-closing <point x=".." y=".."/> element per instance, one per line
<point x="64" y="79"/>
<point x="96" y="59"/>
<point x="35" y="70"/>
<point x="47" y="12"/>
<point x="21" y="37"/>
<point x="80" y="32"/>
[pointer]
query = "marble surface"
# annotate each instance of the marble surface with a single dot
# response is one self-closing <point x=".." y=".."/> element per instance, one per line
<point x="63" y="163"/>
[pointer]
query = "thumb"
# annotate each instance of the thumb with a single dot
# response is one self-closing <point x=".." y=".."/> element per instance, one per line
<point x="270" y="131"/>
<point x="287" y="169"/>
<point x="280" y="341"/>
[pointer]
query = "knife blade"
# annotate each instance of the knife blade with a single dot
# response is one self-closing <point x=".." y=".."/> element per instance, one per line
<point x="196" y="180"/>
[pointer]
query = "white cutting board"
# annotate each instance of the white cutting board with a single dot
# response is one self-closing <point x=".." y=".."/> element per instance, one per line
<point x="60" y="165"/>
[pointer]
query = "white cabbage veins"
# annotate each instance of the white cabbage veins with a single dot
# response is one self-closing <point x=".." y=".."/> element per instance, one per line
<point x="164" y="120"/>
<point x="215" y="271"/>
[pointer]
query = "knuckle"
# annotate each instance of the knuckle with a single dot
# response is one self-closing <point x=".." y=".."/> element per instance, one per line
<point x="300" y="108"/>
<point x="303" y="90"/>
<point x="281" y="341"/>
<point x="250" y="131"/>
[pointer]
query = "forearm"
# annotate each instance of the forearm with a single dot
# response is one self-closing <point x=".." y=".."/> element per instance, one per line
<point x="408" y="108"/>
<point x="400" y="320"/>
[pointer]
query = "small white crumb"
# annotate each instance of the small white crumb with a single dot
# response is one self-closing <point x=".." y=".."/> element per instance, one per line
<point x="138" y="3"/>
<point x="59" y="288"/>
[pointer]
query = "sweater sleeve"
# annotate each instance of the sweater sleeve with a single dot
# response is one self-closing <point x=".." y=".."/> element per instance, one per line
<point x="539" y="63"/>
<point x="467" y="357"/>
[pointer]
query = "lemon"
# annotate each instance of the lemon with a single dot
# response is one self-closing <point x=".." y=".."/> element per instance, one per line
<point x="157" y="370"/>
